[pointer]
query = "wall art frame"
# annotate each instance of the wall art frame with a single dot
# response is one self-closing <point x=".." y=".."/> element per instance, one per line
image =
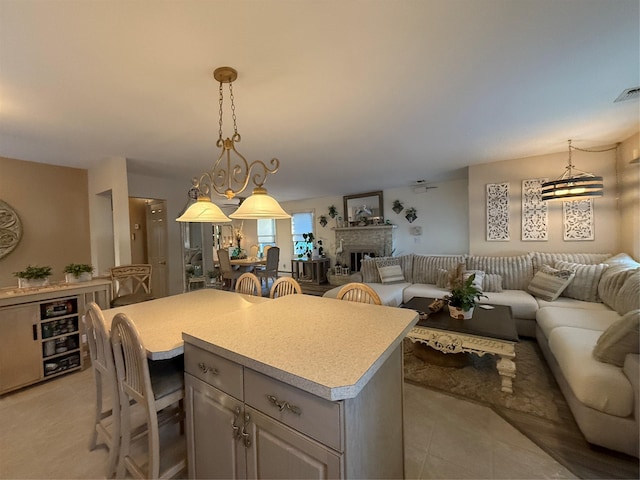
<point x="535" y="213"/>
<point x="497" y="202"/>
<point x="10" y="229"/>
<point x="578" y="220"/>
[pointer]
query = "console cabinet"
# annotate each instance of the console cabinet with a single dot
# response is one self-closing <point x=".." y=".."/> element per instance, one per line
<point x="42" y="330"/>
<point x="244" y="424"/>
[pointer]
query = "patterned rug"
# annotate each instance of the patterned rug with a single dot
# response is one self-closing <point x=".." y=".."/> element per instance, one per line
<point x="536" y="408"/>
<point x="535" y="390"/>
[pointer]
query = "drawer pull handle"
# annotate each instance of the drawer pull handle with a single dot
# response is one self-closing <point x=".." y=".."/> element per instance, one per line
<point x="284" y="405"/>
<point x="206" y="369"/>
<point x="236" y="428"/>
<point x="245" y="435"/>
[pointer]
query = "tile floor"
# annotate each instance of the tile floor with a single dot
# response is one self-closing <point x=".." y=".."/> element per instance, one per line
<point x="44" y="432"/>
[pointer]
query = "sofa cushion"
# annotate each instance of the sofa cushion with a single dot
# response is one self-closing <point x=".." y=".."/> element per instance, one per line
<point x="585" y="283"/>
<point x="611" y="282"/>
<point x="598" y="385"/>
<point x="478" y="279"/>
<point x="427" y="290"/>
<point x="425" y="267"/>
<point x="542" y="258"/>
<point x="391" y="274"/>
<point x="628" y="298"/>
<point x="522" y="304"/>
<point x="390" y="294"/>
<point x="549" y="318"/>
<point x="548" y="282"/>
<point x="621" y="338"/>
<point x="492" y="282"/>
<point x="516" y="271"/>
<point x="566" y="302"/>
<point x="369" y="267"/>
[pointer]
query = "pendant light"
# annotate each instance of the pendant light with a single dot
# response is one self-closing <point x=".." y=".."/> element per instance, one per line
<point x="231" y="173"/>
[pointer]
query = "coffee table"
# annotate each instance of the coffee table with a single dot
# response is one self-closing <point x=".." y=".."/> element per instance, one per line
<point x="488" y="332"/>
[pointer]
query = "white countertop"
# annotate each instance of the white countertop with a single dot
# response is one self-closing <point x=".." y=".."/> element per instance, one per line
<point x="160" y="322"/>
<point x="328" y="347"/>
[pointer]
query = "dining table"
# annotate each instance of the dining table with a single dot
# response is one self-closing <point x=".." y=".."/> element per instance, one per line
<point x="160" y="322"/>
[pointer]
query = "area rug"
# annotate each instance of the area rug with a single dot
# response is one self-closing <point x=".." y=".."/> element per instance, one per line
<point x="537" y="407"/>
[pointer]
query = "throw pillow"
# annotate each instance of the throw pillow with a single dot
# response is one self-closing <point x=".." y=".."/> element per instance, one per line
<point x="477" y="281"/>
<point x="442" y="279"/>
<point x="585" y="283"/>
<point x="548" y="282"/>
<point x="492" y="283"/>
<point x="391" y="274"/>
<point x="621" y="338"/>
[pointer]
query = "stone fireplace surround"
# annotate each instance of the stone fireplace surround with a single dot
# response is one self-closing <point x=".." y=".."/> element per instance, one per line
<point x="356" y="242"/>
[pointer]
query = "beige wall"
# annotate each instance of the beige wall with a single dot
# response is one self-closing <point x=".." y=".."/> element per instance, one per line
<point x="52" y="203"/>
<point x="606" y="221"/>
<point x="629" y="198"/>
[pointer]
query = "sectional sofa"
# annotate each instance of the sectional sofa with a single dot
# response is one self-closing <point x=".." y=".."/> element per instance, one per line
<point x="584" y="310"/>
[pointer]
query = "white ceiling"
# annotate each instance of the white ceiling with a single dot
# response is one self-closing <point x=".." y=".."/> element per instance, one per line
<point x="350" y="95"/>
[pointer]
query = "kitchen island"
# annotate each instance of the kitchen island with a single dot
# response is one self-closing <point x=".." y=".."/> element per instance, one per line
<point x="297" y="387"/>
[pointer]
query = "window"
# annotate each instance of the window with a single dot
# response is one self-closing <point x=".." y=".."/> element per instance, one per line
<point x="266" y="232"/>
<point x="301" y="222"/>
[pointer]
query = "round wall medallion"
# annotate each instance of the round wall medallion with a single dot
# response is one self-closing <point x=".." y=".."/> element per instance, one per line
<point x="10" y="229"/>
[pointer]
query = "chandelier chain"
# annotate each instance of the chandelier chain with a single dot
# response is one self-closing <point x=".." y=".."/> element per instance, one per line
<point x="220" y="113"/>
<point x="233" y="109"/>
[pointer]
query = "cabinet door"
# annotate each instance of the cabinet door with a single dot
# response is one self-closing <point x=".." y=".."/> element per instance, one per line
<point x="20" y="359"/>
<point x="213" y="448"/>
<point x="278" y="451"/>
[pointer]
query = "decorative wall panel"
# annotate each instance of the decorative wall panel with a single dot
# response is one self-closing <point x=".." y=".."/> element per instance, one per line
<point x="578" y="220"/>
<point x="498" y="212"/>
<point x="10" y="229"/>
<point x="535" y="215"/>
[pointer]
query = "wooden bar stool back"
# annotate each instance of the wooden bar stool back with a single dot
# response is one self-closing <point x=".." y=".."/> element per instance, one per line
<point x="249" y="284"/>
<point x="155" y="392"/>
<point x="130" y="284"/>
<point x="107" y="422"/>
<point x="359" y="292"/>
<point x="284" y="286"/>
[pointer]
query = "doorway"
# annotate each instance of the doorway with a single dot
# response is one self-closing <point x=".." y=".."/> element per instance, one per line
<point x="148" y="223"/>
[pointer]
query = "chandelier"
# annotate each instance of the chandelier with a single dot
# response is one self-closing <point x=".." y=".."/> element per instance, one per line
<point x="231" y="174"/>
<point x="574" y="184"/>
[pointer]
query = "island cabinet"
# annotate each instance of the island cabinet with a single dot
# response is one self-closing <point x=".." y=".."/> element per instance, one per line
<point x="42" y="331"/>
<point x="244" y="424"/>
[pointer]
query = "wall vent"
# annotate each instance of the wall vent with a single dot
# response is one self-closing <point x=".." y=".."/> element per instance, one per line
<point x="628" y="94"/>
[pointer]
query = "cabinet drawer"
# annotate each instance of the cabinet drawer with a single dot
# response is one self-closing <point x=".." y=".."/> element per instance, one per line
<point x="214" y="370"/>
<point x="314" y="416"/>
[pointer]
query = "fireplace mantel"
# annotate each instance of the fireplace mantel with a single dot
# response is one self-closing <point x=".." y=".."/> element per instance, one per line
<point x="364" y="228"/>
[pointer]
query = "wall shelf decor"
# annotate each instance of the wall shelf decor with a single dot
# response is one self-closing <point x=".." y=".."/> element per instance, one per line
<point x="535" y="214"/>
<point x="397" y="206"/>
<point x="323" y="221"/>
<point x="498" y="212"/>
<point x="411" y="215"/>
<point x="10" y="229"/>
<point x="577" y="218"/>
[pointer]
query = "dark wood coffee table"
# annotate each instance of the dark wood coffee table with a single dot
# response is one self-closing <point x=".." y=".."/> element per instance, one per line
<point x="488" y="332"/>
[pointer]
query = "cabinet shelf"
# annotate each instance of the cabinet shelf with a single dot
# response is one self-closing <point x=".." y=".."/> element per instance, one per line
<point x="61" y="354"/>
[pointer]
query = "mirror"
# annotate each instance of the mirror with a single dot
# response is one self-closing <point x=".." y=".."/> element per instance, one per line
<point x="364" y="209"/>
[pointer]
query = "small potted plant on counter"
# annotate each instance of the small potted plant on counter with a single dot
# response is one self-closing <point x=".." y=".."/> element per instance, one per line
<point x="33" y="276"/>
<point x="462" y="298"/>
<point x="78" y="272"/>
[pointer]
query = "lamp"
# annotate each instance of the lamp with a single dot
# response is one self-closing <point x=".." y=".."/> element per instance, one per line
<point x="573" y="184"/>
<point x="230" y="175"/>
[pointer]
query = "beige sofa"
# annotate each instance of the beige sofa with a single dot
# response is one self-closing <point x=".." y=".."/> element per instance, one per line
<point x="603" y="397"/>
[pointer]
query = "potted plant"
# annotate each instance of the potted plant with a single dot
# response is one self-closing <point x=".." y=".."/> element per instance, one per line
<point x="303" y="246"/>
<point x="78" y="272"/>
<point x="397" y="206"/>
<point x="33" y="276"/>
<point x="323" y="221"/>
<point x="411" y="214"/>
<point x="462" y="298"/>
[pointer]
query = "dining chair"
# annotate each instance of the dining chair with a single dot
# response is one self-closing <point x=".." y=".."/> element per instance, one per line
<point x="106" y="422"/>
<point x="249" y="284"/>
<point x="226" y="270"/>
<point x="359" y="292"/>
<point x="253" y="251"/>
<point x="284" y="286"/>
<point x="271" y="268"/>
<point x="158" y="386"/>
<point x="130" y="284"/>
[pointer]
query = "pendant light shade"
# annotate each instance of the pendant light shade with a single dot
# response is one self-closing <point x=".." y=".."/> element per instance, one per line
<point x="203" y="211"/>
<point x="259" y="205"/>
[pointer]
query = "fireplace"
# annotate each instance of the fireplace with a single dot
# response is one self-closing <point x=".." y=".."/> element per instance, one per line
<point x="356" y="243"/>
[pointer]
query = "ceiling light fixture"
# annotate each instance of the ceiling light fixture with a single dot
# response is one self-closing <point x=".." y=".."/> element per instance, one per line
<point x="230" y="175"/>
<point x="574" y="184"/>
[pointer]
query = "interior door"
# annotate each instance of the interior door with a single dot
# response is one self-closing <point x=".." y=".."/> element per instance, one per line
<point x="157" y="246"/>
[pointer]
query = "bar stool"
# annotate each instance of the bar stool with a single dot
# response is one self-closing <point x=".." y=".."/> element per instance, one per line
<point x="159" y="391"/>
<point x="359" y="292"/>
<point x="284" y="286"/>
<point x="249" y="284"/>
